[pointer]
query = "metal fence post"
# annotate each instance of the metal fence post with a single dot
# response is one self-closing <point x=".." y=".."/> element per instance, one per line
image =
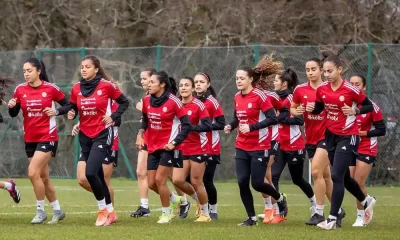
<point x="369" y="86"/>
<point x="256" y="54"/>
<point x="158" y="60"/>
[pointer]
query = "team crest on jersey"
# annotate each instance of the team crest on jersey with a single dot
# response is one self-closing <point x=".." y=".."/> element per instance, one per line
<point x="164" y="109"/>
<point x="249" y="105"/>
<point x="44" y="94"/>
<point x="99" y="92"/>
<point x="189" y="112"/>
<point x="341" y="98"/>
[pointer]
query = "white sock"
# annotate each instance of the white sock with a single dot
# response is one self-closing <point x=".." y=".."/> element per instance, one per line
<point x="144" y="202"/>
<point x="102" y="204"/>
<point x="40" y="205"/>
<point x="360" y="214"/>
<point x="194" y="196"/>
<point x="173" y="197"/>
<point x="280" y="198"/>
<point x="319" y="209"/>
<point x="213" y="208"/>
<point x="55" y="205"/>
<point x="110" y="208"/>
<point x="276" y="208"/>
<point x="332" y="217"/>
<point x="267" y="203"/>
<point x="313" y="201"/>
<point x="254" y="218"/>
<point x="340" y="211"/>
<point x="184" y="200"/>
<point x="204" y="210"/>
<point x="364" y="202"/>
<point x="166" y="210"/>
<point x="7" y="185"/>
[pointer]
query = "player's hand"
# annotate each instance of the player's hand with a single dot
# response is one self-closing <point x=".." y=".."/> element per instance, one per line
<point x="244" y="128"/>
<point x="75" y="130"/>
<point x="71" y="114"/>
<point x="227" y="129"/>
<point x="310" y="106"/>
<point x="107" y="120"/>
<point x="50" y="112"/>
<point x="363" y="133"/>
<point x="300" y="109"/>
<point x="12" y="103"/>
<point x="139" y="142"/>
<point x="169" y="147"/>
<point x="347" y="110"/>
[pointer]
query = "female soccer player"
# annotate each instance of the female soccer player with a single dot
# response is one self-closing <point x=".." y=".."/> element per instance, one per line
<point x="253" y="114"/>
<point x="92" y="97"/>
<point x="371" y="126"/>
<point x="206" y="94"/>
<point x="36" y="100"/>
<point x="194" y="149"/>
<point x="141" y="170"/>
<point x="315" y="137"/>
<point x="290" y="137"/>
<point x="337" y="96"/>
<point x="163" y="115"/>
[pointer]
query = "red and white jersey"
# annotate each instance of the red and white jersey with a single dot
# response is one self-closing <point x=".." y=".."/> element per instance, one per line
<point x="369" y="145"/>
<point x="250" y="109"/>
<point x="314" y="124"/>
<point x="114" y="107"/>
<point x="276" y="103"/>
<point x="38" y="127"/>
<point x="164" y="123"/>
<point x="336" y="121"/>
<point x="92" y="109"/>
<point x="214" y="110"/>
<point x="197" y="142"/>
<point x="290" y="137"/>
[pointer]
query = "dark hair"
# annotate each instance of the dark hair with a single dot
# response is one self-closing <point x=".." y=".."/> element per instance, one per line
<point x="39" y="65"/>
<point x="4" y="84"/>
<point x="363" y="79"/>
<point x="290" y="77"/>
<point x="189" y="78"/>
<point x="210" y="88"/>
<point x="96" y="63"/>
<point x="150" y="70"/>
<point x="170" y="83"/>
<point x="316" y="60"/>
<point x="329" y="56"/>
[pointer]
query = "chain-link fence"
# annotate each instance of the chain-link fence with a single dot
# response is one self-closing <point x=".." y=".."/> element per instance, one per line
<point x="378" y="62"/>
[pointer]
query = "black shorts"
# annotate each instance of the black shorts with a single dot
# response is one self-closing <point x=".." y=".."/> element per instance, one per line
<point x="312" y="148"/>
<point x="101" y="143"/>
<point x="165" y="158"/>
<point x="275" y="146"/>
<point x="197" y="158"/>
<point x="32" y="147"/>
<point x="291" y="157"/>
<point x="342" y="144"/>
<point x="144" y="147"/>
<point x="261" y="156"/>
<point x="213" y="159"/>
<point x="368" y="159"/>
<point x="113" y="158"/>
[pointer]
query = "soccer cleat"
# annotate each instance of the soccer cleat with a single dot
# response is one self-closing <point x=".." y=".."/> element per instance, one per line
<point x="248" y="223"/>
<point x="164" y="218"/>
<point x="329" y="224"/>
<point x="214" y="216"/>
<point x="141" y="212"/>
<point x="340" y="217"/>
<point x="313" y="210"/>
<point x="184" y="210"/>
<point x="268" y="215"/>
<point x="40" y="217"/>
<point x="359" y="222"/>
<point x="283" y="208"/>
<point x="315" y="219"/>
<point x="58" y="215"/>
<point x="111" y="218"/>
<point x="277" y="219"/>
<point x="198" y="209"/>
<point x="369" y="210"/>
<point x="101" y="217"/>
<point x="203" y="218"/>
<point x="261" y="216"/>
<point x="14" y="192"/>
<point x="175" y="207"/>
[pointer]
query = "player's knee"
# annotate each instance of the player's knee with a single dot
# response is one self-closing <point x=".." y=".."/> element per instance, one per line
<point x="257" y="185"/>
<point x="160" y="181"/>
<point x="196" y="181"/>
<point x="141" y="173"/>
<point x="337" y="177"/>
<point x="316" y="173"/>
<point x="178" y="181"/>
<point x="33" y="173"/>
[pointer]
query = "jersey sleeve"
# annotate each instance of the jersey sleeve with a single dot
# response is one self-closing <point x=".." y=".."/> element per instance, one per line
<point x="203" y="113"/>
<point x="114" y="106"/>
<point x="179" y="110"/>
<point x="376" y="114"/>
<point x="114" y="92"/>
<point x="16" y="95"/>
<point x="296" y="96"/>
<point x="144" y="105"/>
<point x="73" y="96"/>
<point x="318" y="93"/>
<point x="57" y="94"/>
<point x="276" y="103"/>
<point x="265" y="103"/>
<point x="357" y="97"/>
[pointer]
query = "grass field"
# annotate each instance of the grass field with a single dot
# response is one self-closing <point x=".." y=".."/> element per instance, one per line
<point x="81" y="208"/>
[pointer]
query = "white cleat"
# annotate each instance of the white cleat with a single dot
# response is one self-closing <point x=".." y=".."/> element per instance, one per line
<point x="359" y="222"/>
<point x="261" y="216"/>
<point x="369" y="211"/>
<point x="327" y="225"/>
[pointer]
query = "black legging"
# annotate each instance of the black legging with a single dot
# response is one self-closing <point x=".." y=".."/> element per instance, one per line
<point x="252" y="165"/>
<point x="295" y="170"/>
<point x="208" y="181"/>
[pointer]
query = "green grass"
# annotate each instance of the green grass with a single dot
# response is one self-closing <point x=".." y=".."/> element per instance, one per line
<point x="80" y="207"/>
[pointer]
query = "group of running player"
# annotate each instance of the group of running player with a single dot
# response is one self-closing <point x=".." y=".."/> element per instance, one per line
<point x="179" y="139"/>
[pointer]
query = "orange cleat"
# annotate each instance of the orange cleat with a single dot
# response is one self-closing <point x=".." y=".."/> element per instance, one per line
<point x="101" y="217"/>
<point x="277" y="219"/>
<point x="268" y="215"/>
<point x="111" y="218"/>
